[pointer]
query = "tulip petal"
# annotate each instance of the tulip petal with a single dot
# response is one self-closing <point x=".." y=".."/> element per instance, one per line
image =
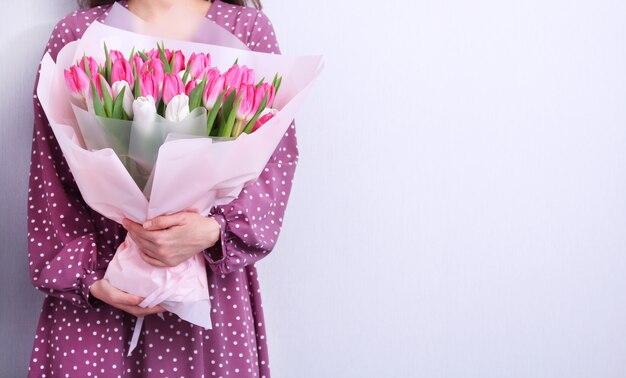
<point x="250" y="125"/>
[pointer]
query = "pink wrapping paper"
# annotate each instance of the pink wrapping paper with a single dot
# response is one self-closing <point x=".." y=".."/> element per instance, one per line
<point x="214" y="173"/>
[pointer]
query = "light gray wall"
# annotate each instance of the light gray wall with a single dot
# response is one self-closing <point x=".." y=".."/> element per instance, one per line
<point x="25" y="29"/>
<point x="460" y="203"/>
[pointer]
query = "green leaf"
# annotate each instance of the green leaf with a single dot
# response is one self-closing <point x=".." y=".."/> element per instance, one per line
<point x="97" y="103"/>
<point x="118" y="105"/>
<point x="137" y="84"/>
<point x="107" y="63"/>
<point x="166" y="64"/>
<point x="257" y="115"/>
<point x="195" y="97"/>
<point x="260" y="82"/>
<point x="213" y="114"/>
<point x="277" y="87"/>
<point x="132" y="53"/>
<point x="226" y="110"/>
<point x="172" y="61"/>
<point x="108" y="101"/>
<point x="87" y="69"/>
<point x="161" y="108"/>
<point x="236" y="61"/>
<point x="230" y="122"/>
<point x="186" y="75"/>
<point x="143" y="56"/>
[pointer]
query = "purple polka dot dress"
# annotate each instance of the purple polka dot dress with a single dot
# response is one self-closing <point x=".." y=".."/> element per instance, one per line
<point x="70" y="246"/>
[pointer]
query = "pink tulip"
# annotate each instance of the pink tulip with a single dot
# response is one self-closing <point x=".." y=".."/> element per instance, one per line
<point x="149" y="85"/>
<point x="261" y="121"/>
<point x="115" y="55"/>
<point x="211" y="74"/>
<point x="152" y="54"/>
<point x="212" y="91"/>
<point x="98" y="80"/>
<point x="190" y="87"/>
<point x="179" y="60"/>
<point x="172" y="86"/>
<point x="263" y="89"/>
<point x="155" y="67"/>
<point x="137" y="63"/>
<point x="233" y="76"/>
<point x="247" y="75"/>
<point x="199" y="64"/>
<point x="91" y="62"/>
<point x="246" y="96"/>
<point x="122" y="70"/>
<point x="77" y="82"/>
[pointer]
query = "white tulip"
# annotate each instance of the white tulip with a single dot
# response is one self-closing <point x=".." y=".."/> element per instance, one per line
<point x="128" y="100"/>
<point x="144" y="109"/>
<point x="178" y="108"/>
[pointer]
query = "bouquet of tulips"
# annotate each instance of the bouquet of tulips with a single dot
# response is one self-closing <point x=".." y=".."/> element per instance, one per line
<point x="133" y="104"/>
<point x="132" y="130"/>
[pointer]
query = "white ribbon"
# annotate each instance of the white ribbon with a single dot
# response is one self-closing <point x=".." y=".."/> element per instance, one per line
<point x="155" y="298"/>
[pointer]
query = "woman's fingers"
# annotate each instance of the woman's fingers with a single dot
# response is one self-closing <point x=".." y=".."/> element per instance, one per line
<point x="136" y="230"/>
<point x="151" y="260"/>
<point x="125" y="301"/>
<point x="164" y="222"/>
<point x="140" y="311"/>
<point x="145" y="242"/>
<point x="118" y="296"/>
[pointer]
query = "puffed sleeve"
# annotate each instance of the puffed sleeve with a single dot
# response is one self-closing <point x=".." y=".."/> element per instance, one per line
<point x="64" y="234"/>
<point x="251" y="223"/>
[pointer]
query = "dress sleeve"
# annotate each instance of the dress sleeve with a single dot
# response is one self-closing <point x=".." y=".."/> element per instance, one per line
<point x="62" y="231"/>
<point x="251" y="223"/>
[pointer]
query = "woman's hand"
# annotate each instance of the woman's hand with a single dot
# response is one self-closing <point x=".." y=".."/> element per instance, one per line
<point x="169" y="240"/>
<point x="104" y="291"/>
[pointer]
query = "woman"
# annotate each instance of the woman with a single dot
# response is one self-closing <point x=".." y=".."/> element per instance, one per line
<point x="86" y="324"/>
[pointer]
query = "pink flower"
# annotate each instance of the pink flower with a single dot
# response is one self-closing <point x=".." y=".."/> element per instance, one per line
<point x="261" y="121"/>
<point x="137" y="63"/>
<point x="246" y="105"/>
<point x="190" y="87"/>
<point x="149" y="85"/>
<point x="115" y="55"/>
<point x="98" y="80"/>
<point x="172" y="86"/>
<point x="233" y="76"/>
<point x="155" y="67"/>
<point x="77" y="82"/>
<point x="91" y="62"/>
<point x="212" y="91"/>
<point x="247" y="75"/>
<point x="211" y="74"/>
<point x="199" y="64"/>
<point x="152" y="54"/>
<point x="263" y="89"/>
<point x="122" y="70"/>
<point x="179" y="60"/>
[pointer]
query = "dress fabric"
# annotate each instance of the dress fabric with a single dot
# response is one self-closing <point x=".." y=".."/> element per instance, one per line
<point x="70" y="246"/>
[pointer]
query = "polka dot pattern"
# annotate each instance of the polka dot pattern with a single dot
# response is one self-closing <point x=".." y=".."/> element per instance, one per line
<point x="70" y="246"/>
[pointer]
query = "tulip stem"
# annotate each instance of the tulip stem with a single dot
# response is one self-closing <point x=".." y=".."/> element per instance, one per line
<point x="238" y="127"/>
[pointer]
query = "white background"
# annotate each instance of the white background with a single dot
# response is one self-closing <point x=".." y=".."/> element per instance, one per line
<point x="459" y="209"/>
